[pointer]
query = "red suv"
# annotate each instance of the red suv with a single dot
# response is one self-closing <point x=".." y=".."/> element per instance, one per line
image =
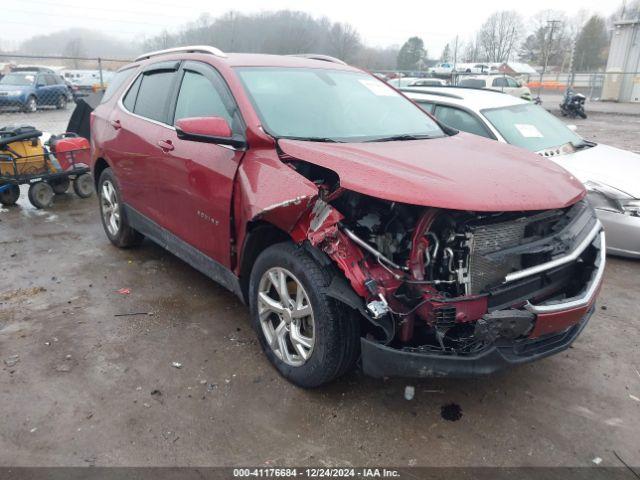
<point x="353" y="224"/>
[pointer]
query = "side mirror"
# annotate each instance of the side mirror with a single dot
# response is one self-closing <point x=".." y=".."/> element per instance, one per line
<point x="573" y="128"/>
<point x="209" y="130"/>
<point x="40" y="85"/>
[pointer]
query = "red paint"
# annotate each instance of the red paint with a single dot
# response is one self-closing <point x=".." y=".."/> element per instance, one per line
<point x="463" y="172"/>
<point x="212" y="126"/>
<point x="209" y="194"/>
<point x="547" y="323"/>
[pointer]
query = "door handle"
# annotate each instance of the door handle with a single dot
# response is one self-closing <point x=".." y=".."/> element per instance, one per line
<point x="116" y="124"/>
<point x="166" y="145"/>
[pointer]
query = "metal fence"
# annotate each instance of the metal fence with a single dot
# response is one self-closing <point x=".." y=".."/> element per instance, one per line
<point x="612" y="86"/>
<point x="42" y="90"/>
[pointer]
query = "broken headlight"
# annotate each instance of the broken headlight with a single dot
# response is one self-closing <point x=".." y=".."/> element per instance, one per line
<point x="604" y="197"/>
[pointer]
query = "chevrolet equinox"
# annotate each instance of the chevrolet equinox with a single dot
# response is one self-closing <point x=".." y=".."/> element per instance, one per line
<point x="355" y="226"/>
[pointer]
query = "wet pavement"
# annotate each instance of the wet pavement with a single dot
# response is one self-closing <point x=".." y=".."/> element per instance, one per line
<point x="84" y="382"/>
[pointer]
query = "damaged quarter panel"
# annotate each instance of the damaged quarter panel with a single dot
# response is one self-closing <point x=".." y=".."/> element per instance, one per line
<point x="267" y="189"/>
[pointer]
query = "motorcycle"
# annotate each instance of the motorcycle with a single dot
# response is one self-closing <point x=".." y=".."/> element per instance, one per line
<point x="573" y="105"/>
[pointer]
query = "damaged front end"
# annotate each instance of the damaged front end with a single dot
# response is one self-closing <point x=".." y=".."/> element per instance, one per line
<point x="457" y="293"/>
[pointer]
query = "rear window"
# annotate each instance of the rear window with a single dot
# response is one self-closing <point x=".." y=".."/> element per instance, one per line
<point x="152" y="97"/>
<point x="471" y="83"/>
<point x="116" y="82"/>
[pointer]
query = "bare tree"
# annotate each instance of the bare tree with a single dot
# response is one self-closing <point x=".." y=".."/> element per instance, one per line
<point x="500" y="35"/>
<point x="75" y="48"/>
<point x="344" y="41"/>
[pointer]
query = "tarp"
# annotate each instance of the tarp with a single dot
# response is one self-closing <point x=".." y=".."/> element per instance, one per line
<point x="79" y="121"/>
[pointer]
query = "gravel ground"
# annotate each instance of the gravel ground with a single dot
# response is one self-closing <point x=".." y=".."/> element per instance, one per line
<point x="80" y="385"/>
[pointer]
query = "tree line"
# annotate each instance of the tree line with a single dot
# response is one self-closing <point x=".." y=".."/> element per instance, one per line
<point x="549" y="36"/>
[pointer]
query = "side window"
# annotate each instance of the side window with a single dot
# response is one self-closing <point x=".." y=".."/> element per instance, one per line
<point x="426" y="106"/>
<point x="499" y="82"/>
<point x="512" y="83"/>
<point x="199" y="98"/>
<point x="155" y="88"/>
<point x="41" y="81"/>
<point x="129" y="99"/>
<point x="116" y="82"/>
<point x="461" y="120"/>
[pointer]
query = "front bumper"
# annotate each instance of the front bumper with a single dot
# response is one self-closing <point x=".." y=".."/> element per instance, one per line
<point x="558" y="323"/>
<point x="623" y="233"/>
<point x="381" y="361"/>
<point x="11" y="101"/>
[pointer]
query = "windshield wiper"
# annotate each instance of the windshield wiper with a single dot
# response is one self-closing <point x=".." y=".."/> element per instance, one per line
<point x="314" y="139"/>
<point x="400" y="138"/>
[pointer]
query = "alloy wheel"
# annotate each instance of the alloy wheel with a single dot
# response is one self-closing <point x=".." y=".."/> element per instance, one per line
<point x="110" y="207"/>
<point x="286" y="316"/>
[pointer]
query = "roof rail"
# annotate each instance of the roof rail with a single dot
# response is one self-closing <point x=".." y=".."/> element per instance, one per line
<point x="318" y="56"/>
<point x="189" y="49"/>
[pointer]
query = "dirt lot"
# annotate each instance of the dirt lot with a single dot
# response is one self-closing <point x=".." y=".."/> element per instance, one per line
<point x="80" y="385"/>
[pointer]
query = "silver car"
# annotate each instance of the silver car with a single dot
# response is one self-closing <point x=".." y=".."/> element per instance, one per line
<point x="611" y="175"/>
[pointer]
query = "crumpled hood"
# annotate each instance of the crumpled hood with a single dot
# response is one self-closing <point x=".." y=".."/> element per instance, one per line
<point x="617" y="168"/>
<point x="462" y="172"/>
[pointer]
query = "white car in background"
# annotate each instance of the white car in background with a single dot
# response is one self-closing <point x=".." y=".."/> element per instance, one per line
<point x="407" y="82"/>
<point x="500" y="83"/>
<point x="611" y="175"/>
<point x="401" y="82"/>
<point x="442" y="69"/>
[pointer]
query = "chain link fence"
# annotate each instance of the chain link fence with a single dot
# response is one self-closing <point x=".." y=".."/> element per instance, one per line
<point x="42" y="90"/>
<point x="623" y="87"/>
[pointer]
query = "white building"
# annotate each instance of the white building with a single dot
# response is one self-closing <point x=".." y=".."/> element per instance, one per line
<point x="622" y="81"/>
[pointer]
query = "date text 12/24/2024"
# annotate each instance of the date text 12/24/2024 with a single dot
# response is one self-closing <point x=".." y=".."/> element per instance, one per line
<point x="268" y="472"/>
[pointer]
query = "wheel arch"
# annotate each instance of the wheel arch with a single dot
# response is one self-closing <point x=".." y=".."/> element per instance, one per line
<point x="98" y="167"/>
<point x="260" y="235"/>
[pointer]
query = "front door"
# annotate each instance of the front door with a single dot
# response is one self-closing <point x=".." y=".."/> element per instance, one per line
<point x="195" y="179"/>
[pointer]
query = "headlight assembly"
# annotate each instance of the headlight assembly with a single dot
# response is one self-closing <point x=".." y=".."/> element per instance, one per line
<point x="604" y="197"/>
<point x="14" y="93"/>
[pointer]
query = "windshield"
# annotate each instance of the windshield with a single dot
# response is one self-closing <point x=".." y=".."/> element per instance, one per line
<point x="332" y="105"/>
<point x="21" y="79"/>
<point x="472" y="83"/>
<point x="530" y="126"/>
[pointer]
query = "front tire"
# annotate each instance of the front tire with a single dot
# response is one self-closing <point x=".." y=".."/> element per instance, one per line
<point x="31" y="105"/>
<point x="304" y="333"/>
<point x="112" y="214"/>
<point x="41" y="195"/>
<point x="83" y="185"/>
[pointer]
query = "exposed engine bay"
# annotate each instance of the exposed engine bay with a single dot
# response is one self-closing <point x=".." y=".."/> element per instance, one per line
<point x="437" y="280"/>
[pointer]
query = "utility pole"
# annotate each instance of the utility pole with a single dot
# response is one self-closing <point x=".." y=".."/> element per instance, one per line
<point x="455" y="54"/>
<point x="551" y="26"/>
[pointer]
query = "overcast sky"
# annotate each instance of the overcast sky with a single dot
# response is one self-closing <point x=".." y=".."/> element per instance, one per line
<point x="437" y="22"/>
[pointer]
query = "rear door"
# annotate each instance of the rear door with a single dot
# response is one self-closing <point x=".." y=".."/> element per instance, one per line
<point x="195" y="179"/>
<point x="136" y="124"/>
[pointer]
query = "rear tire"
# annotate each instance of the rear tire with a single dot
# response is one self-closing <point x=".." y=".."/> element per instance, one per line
<point x="60" y="185"/>
<point x="334" y="334"/>
<point x="9" y="196"/>
<point x="61" y="104"/>
<point x="41" y="194"/>
<point x="113" y="216"/>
